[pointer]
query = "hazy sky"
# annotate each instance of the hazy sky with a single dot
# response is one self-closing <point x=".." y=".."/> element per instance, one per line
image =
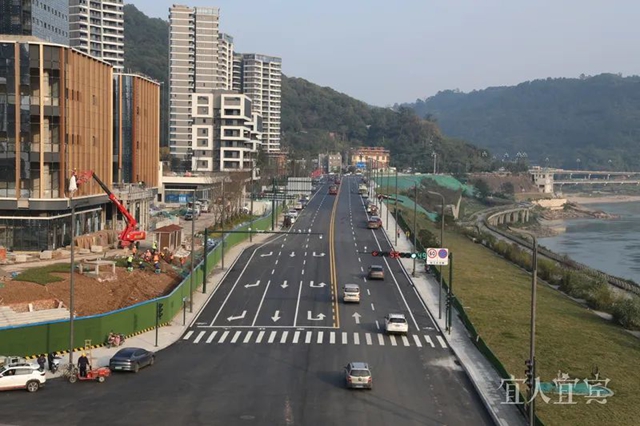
<point x="384" y="52"/>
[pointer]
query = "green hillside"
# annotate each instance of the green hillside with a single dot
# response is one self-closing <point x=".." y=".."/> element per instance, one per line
<point x="318" y="119"/>
<point x="593" y="119"/>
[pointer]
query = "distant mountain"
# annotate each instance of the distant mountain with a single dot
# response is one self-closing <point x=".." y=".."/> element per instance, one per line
<point x="317" y="119"/>
<point x="586" y="122"/>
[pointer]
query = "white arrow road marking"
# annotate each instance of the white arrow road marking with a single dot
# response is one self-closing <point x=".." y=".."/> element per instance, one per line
<point x="318" y="255"/>
<point x="319" y="285"/>
<point x="320" y="317"/>
<point x="237" y="318"/>
<point x="276" y="316"/>
<point x="266" y="255"/>
<point x="256" y="284"/>
<point x="357" y="317"/>
<point x="293" y="254"/>
<point x="284" y="284"/>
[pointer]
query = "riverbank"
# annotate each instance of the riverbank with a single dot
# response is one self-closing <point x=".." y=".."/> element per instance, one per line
<point x="601" y="199"/>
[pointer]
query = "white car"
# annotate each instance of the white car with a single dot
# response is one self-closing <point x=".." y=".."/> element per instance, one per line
<point x="351" y="293"/>
<point x="396" y="323"/>
<point x="22" y="377"/>
<point x="293" y="213"/>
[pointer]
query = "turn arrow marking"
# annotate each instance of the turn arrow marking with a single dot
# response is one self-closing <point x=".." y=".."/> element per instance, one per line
<point x="318" y="318"/>
<point x="318" y="255"/>
<point x="284" y="284"/>
<point x="276" y="316"/>
<point x="256" y="284"/>
<point x="237" y="318"/>
<point x="266" y="255"/>
<point x="317" y="286"/>
<point x="293" y="254"/>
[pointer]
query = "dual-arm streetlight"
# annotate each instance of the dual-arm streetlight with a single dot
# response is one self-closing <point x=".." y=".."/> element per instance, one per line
<point x="441" y="245"/>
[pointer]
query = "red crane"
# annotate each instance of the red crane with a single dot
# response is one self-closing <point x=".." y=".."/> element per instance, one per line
<point x="130" y="234"/>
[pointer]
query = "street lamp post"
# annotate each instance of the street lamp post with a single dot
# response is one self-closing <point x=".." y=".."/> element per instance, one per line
<point x="442" y="245"/>
<point x="71" y="280"/>
<point x="415" y="225"/>
<point x="532" y="333"/>
<point x="396" y="206"/>
<point x="193" y="248"/>
<point x="253" y="164"/>
<point x="388" y="185"/>
<point x="224" y="218"/>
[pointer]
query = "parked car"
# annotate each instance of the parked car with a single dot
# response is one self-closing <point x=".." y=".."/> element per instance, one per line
<point x="358" y="375"/>
<point x="396" y="323"/>
<point x="351" y="293"/>
<point x="376" y="272"/>
<point x="131" y="359"/>
<point x="298" y="206"/>
<point x="293" y="213"/>
<point x="188" y="216"/>
<point x="22" y="377"/>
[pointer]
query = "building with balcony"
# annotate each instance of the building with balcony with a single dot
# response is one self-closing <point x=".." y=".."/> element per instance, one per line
<point x="193" y="68"/>
<point x="225" y="61"/>
<point x="334" y="163"/>
<point x="96" y="27"/>
<point x="63" y="122"/>
<point x="374" y="158"/>
<point x="260" y="79"/>
<point x="225" y="132"/>
<point x="47" y="20"/>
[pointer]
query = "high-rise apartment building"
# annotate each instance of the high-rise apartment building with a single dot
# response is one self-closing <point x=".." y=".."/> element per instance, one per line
<point x="193" y="68"/>
<point x="96" y="27"/>
<point x="45" y="19"/>
<point x="225" y="61"/>
<point x="261" y="78"/>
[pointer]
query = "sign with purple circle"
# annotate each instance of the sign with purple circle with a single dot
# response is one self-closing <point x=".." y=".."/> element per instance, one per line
<point x="443" y="253"/>
<point x="437" y="256"/>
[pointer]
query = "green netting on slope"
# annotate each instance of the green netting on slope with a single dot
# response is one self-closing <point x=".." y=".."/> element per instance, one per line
<point x="409" y="204"/>
<point x="408" y="181"/>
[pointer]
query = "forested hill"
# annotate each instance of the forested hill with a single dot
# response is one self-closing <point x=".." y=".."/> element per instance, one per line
<point x="317" y="119"/>
<point x="593" y="119"/>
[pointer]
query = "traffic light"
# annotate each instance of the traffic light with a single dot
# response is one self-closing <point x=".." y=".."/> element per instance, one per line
<point x="529" y="372"/>
<point x="398" y="254"/>
<point x="160" y="310"/>
<point x="375" y="253"/>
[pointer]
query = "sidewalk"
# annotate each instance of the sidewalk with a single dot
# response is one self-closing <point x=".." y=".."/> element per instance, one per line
<point x="479" y="370"/>
<point x="169" y="334"/>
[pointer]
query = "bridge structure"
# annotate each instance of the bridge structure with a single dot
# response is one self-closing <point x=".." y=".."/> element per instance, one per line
<point x="547" y="178"/>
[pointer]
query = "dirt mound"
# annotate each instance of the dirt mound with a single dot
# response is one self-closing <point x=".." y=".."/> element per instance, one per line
<point x="92" y="296"/>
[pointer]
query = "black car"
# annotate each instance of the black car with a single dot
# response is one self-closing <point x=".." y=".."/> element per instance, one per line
<point x="131" y="359"/>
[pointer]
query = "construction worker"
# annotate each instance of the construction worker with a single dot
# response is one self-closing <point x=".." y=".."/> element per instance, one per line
<point x="130" y="263"/>
<point x="156" y="259"/>
<point x="141" y="266"/>
<point x="154" y="248"/>
<point x="83" y="363"/>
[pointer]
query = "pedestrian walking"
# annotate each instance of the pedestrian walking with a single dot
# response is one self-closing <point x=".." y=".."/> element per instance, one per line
<point x="50" y="358"/>
<point x="398" y="232"/>
<point x="42" y="361"/>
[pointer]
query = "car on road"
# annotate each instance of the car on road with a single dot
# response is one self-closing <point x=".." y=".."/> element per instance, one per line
<point x="131" y="359"/>
<point x="293" y="213"/>
<point x="358" y="375"/>
<point x="298" y="206"/>
<point x="188" y="216"/>
<point x="376" y="272"/>
<point x="374" y="222"/>
<point x="351" y="293"/>
<point x="396" y="323"/>
<point x="333" y="190"/>
<point x="27" y="377"/>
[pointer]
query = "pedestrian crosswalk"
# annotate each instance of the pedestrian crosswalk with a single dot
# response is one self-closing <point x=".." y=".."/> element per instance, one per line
<point x="307" y="337"/>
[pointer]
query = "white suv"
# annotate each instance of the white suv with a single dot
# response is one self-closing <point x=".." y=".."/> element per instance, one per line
<point x="396" y="323"/>
<point x="22" y="377"/>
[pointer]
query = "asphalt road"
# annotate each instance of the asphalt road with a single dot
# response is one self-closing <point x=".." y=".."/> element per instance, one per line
<point x="270" y="346"/>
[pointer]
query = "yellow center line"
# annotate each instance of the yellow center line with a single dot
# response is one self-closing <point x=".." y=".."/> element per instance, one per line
<point x="332" y="260"/>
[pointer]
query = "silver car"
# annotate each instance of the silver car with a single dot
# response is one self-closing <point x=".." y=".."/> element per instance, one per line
<point x="358" y="375"/>
<point x="351" y="293"/>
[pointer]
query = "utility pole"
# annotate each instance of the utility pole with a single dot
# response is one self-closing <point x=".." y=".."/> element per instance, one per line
<point x="435" y="156"/>
<point x="415" y="225"/>
<point x="253" y="164"/>
<point x="204" y="263"/>
<point x="273" y="204"/>
<point x="387" y="187"/>
<point x="450" y="295"/>
<point x="441" y="245"/>
<point x="193" y="248"/>
<point x="396" y="205"/>
<point x="71" y="280"/>
<point x="224" y="218"/>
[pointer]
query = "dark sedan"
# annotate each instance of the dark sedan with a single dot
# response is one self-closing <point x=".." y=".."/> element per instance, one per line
<point x="131" y="359"/>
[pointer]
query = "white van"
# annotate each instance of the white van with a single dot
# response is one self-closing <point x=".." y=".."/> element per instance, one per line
<point x="351" y="293"/>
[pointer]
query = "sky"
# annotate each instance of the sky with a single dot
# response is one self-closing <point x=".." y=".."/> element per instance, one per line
<point x="383" y="52"/>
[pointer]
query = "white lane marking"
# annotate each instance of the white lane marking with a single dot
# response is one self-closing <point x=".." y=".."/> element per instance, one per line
<point x="282" y="246"/>
<point x="368" y="292"/>
<point x="200" y="335"/>
<point x="344" y="337"/>
<point x="405" y="340"/>
<point x="377" y="325"/>
<point x="212" y="336"/>
<point x="276" y="262"/>
<point x="304" y="262"/>
<point x="393" y="340"/>
<point x="260" y="336"/>
<point x="306" y="246"/>
<point x="272" y="337"/>
<point x="365" y="280"/>
<point x="320" y="334"/>
<point x="332" y="337"/>
<point x="356" y="339"/>
<point x="296" y="336"/>
<point x="303" y="272"/>
<point x="186" y="336"/>
<point x="295" y="317"/>
<point x="273" y="271"/>
<point x="305" y="253"/>
<point x="261" y="302"/>
<point x="381" y="339"/>
<point x="442" y="342"/>
<point x="235" y="337"/>
<point x="283" y="339"/>
<point x="373" y="308"/>
<point x="417" y="340"/>
<point x="429" y="341"/>
<point x="223" y="337"/>
<point x="279" y="253"/>
<point x="307" y="338"/>
<point x="367" y="337"/>
<point x="248" y="336"/>
<point x="359" y="260"/>
<point x="361" y="269"/>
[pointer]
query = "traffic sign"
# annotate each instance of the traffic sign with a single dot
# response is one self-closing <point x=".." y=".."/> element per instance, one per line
<point x="438" y="256"/>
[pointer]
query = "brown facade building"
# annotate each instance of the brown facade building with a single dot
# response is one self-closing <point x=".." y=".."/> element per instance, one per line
<point x="374" y="158"/>
<point x="56" y="117"/>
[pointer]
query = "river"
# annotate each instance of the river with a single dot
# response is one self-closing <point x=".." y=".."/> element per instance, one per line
<point x="612" y="246"/>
